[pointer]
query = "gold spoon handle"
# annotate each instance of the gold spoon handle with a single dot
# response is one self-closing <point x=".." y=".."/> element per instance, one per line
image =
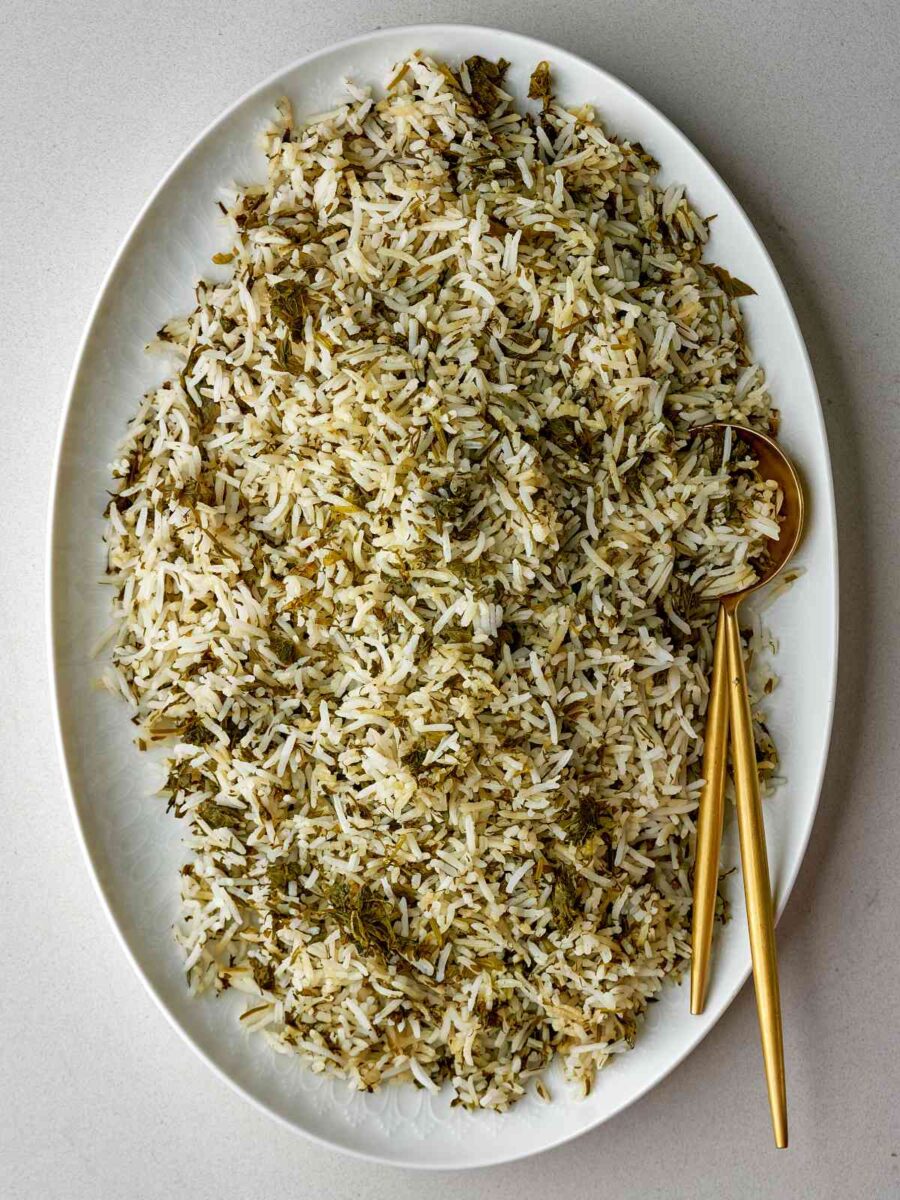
<point x="709" y="821"/>
<point x="754" y="864"/>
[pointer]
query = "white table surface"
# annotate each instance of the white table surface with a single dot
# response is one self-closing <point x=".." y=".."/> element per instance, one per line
<point x="798" y="105"/>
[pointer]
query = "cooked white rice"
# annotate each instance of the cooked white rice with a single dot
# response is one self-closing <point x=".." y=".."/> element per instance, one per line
<point x="413" y="561"/>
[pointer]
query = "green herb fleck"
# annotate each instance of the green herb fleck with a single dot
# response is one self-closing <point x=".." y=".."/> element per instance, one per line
<point x="415" y="759"/>
<point x="181" y="778"/>
<point x="209" y="415"/>
<point x="730" y="284"/>
<point x="565" y="902"/>
<point x="540" y="85"/>
<point x="263" y="975"/>
<point x="363" y="917"/>
<point x="198" y="491"/>
<point x="196" y="733"/>
<point x="285" y="358"/>
<point x="284" y="648"/>
<point x="652" y="164"/>
<point x="288" y="302"/>
<point x="189" y="365"/>
<point x="283" y="872"/>
<point x="485" y="77"/>
<point x="569" y="436"/>
<point x="451" y="508"/>
<point x="584" y="820"/>
<point x="683" y="598"/>
<point x="217" y="816"/>
<point x="253" y="212"/>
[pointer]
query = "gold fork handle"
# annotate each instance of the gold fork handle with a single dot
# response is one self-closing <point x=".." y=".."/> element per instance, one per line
<point x="709" y="821"/>
<point x="754" y="864"/>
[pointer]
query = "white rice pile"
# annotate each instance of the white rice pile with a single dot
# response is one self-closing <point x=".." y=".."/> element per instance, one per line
<point x="413" y="562"/>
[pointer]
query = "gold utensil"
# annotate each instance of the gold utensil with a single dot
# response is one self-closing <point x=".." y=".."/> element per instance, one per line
<point x="729" y="704"/>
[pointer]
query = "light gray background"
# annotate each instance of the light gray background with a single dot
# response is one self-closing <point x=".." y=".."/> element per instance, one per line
<point x="796" y="103"/>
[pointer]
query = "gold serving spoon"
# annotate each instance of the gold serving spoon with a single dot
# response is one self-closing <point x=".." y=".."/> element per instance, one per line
<point x="729" y="703"/>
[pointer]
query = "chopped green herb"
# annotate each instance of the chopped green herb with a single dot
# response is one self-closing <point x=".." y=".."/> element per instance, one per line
<point x="565" y="902"/>
<point x="540" y="85"/>
<point x="283" y="872"/>
<point x="263" y="975"/>
<point x="364" y="917"/>
<point x="415" y="759"/>
<point x="289" y="304"/>
<point x="217" y="816"/>
<point x="199" y="491"/>
<point x="197" y="733"/>
<point x="485" y="77"/>
<point x="683" y="598"/>
<point x="182" y="777"/>
<point x="253" y="212"/>
<point x="585" y="819"/>
<point x="730" y="284"/>
<point x="284" y="648"/>
<point x="285" y="358"/>
<point x="652" y="164"/>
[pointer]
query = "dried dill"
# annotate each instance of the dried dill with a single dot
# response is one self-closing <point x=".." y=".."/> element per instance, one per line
<point x="263" y="975"/>
<point x="288" y="303"/>
<point x="415" y="759"/>
<point x="285" y="358"/>
<point x="198" y="491"/>
<point x="250" y="216"/>
<point x="713" y="442"/>
<point x="471" y="572"/>
<point x="683" y="598"/>
<point x="185" y="373"/>
<point x="584" y="820"/>
<point x="284" y="648"/>
<point x="137" y="466"/>
<point x="217" y="816"/>
<point x="540" y="85"/>
<point x="510" y="635"/>
<point x="363" y="917"/>
<point x="182" y="777"/>
<point x="730" y="284"/>
<point x="723" y="907"/>
<point x="569" y="436"/>
<point x="680" y="601"/>
<point x="762" y="560"/>
<point x="565" y="902"/>
<point x="196" y="733"/>
<point x="444" y="1068"/>
<point x="627" y="1027"/>
<point x="651" y="162"/>
<point x="206" y="415"/>
<point x="559" y="430"/>
<point x="485" y="78"/>
<point x="766" y="753"/>
<point x="283" y="872"/>
<point x="450" y="508"/>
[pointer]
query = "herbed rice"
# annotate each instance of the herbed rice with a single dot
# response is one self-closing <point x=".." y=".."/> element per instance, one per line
<point x="414" y="560"/>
